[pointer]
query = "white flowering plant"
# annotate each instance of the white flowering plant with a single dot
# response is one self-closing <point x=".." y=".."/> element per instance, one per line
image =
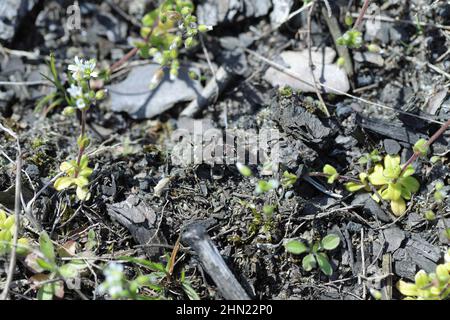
<point x="166" y="30"/>
<point x="77" y="94"/>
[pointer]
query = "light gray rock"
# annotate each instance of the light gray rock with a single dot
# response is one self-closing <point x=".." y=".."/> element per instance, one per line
<point x="134" y="97"/>
<point x="280" y="12"/>
<point x="391" y="146"/>
<point x="370" y="57"/>
<point x="214" y="12"/>
<point x="325" y="72"/>
<point x="394" y="237"/>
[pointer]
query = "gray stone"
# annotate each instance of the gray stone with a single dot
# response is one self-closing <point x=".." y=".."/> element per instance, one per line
<point x="370" y="57"/>
<point x="280" y="12"/>
<point x="422" y="253"/>
<point x="134" y="97"/>
<point x="394" y="237"/>
<point x="403" y="264"/>
<point x="370" y="206"/>
<point x="326" y="73"/>
<point x="257" y="8"/>
<point x="391" y="146"/>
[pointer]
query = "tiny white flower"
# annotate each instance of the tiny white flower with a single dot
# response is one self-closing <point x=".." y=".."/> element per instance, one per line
<point x="89" y="68"/>
<point x="81" y="104"/>
<point x="77" y="69"/>
<point x="75" y="91"/>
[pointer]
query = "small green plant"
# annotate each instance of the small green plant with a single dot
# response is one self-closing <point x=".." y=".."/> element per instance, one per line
<point x="76" y="176"/>
<point x="351" y="38"/>
<point x="149" y="286"/>
<point x="370" y="158"/>
<point x="80" y="97"/>
<point x="331" y="172"/>
<point x="432" y="286"/>
<point x="286" y="91"/>
<point x="288" y="180"/>
<point x="429" y="215"/>
<point x="57" y="97"/>
<point x="7" y="228"/>
<point x="389" y="181"/>
<point x="165" y="30"/>
<point x="394" y="184"/>
<point x="439" y="193"/>
<point x="315" y="252"/>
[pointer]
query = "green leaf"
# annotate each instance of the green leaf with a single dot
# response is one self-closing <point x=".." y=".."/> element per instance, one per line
<point x="81" y="181"/>
<point x="409" y="171"/>
<point x="63" y="183"/>
<point x="330" y="242"/>
<point x="289" y="179"/>
<point x="421" y="279"/>
<point x="295" y="247"/>
<point x="407" y="289"/>
<point x="69" y="270"/>
<point x="410" y="183"/>
<point x="145" y="263"/>
<point x="66" y="166"/>
<point x="92" y="240"/>
<point x="46" y="292"/>
<point x="44" y="264"/>
<point x="391" y="161"/>
<point x="309" y="262"/>
<point x="324" y="264"/>
<point x="82" y="193"/>
<point x="376" y="177"/>
<point x="190" y="292"/>
<point x="9" y="222"/>
<point x="329" y="170"/>
<point x="392" y="192"/>
<point x="442" y="273"/>
<point x="398" y="207"/>
<point x="244" y="170"/>
<point x="46" y="246"/>
<point x="353" y="186"/>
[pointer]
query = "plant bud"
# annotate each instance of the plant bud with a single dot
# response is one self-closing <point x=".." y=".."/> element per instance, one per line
<point x="374" y="48"/>
<point x="204" y="28"/>
<point x="185" y="11"/>
<point x="429" y="215"/>
<point x="348" y="20"/>
<point x="68" y="111"/>
<point x="100" y="94"/>
<point x="83" y="142"/>
<point x="189" y="42"/>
